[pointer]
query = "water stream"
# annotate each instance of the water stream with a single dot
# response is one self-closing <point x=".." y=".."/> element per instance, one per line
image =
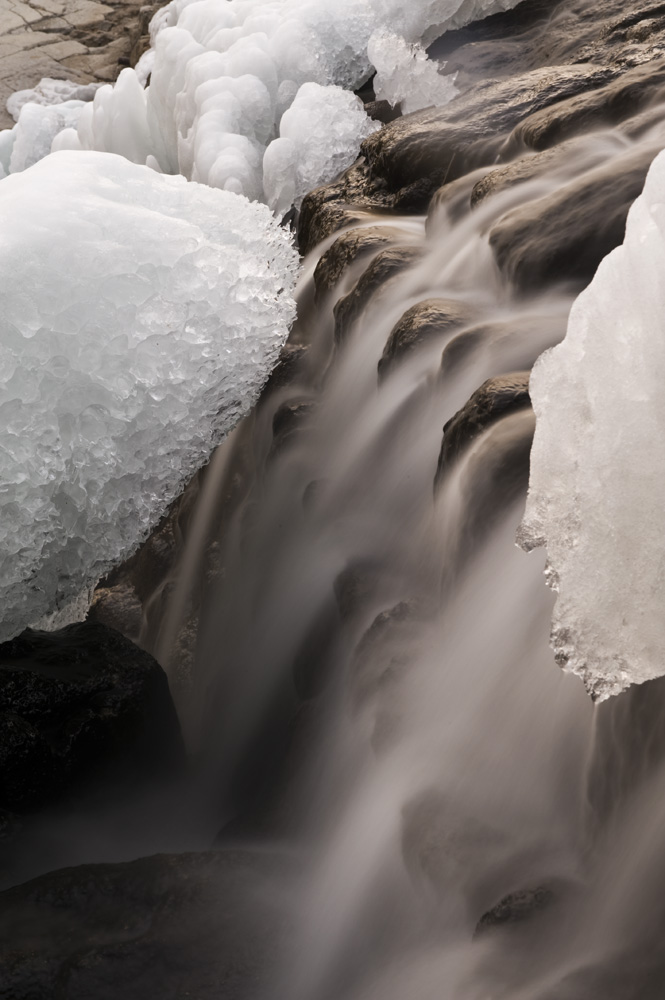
<point x="374" y="686"/>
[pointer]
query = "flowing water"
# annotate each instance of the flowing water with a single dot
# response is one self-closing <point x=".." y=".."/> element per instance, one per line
<point x="374" y="686"/>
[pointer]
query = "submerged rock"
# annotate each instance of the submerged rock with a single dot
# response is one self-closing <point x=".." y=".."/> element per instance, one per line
<point x="563" y="236"/>
<point x="79" y="706"/>
<point x="347" y="248"/>
<point x="496" y="398"/>
<point x="386" y="265"/>
<point x="168" y="927"/>
<point x="516" y="908"/>
<point x="421" y="324"/>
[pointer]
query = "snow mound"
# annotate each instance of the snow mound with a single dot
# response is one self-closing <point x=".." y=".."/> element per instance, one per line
<point x="597" y="489"/>
<point x="49" y="91"/>
<point x="224" y="74"/>
<point x="319" y="138"/>
<point x="160" y="310"/>
<point x="406" y="76"/>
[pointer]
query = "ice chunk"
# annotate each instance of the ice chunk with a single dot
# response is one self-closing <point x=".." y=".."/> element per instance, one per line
<point x="223" y="75"/>
<point x="406" y="76"/>
<point x="320" y="136"/>
<point x="49" y="91"/>
<point x="160" y="309"/>
<point x="37" y="127"/>
<point x="597" y="489"/>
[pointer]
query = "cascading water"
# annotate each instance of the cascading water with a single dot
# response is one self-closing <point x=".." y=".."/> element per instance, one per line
<point x="373" y="678"/>
<point x="358" y="649"/>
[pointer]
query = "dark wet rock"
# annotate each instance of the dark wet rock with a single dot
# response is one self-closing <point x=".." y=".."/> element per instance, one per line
<point x="604" y="107"/>
<point x="385" y="649"/>
<point x="289" y="418"/>
<point x="455" y="198"/>
<point x="423" y="323"/>
<point x="286" y="371"/>
<point x="519" y="171"/>
<point x="118" y="607"/>
<point x="516" y="908"/>
<point x="514" y="344"/>
<point x="382" y="111"/>
<point x="335" y="206"/>
<point x="168" y="927"/>
<point x="563" y="236"/>
<point x="496" y="398"/>
<point x="77" y="706"/>
<point x="348" y="248"/>
<point x="419" y="152"/>
<point x="547" y="32"/>
<point x="388" y="264"/>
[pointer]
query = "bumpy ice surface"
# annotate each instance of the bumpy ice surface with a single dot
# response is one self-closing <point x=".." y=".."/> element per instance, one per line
<point x="223" y="74"/>
<point x="597" y="490"/>
<point x="406" y="76"/>
<point x="32" y="136"/>
<point x="49" y="91"/>
<point x="140" y="317"/>
<point x="319" y="136"/>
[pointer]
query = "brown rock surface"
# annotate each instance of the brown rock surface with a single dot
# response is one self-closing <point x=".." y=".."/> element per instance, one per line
<point x="80" y="40"/>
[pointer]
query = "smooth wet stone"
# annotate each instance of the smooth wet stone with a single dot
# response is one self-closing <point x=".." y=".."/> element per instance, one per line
<point x="386" y="266"/>
<point x="290" y="417"/>
<point x="80" y="706"/>
<point x="605" y="107"/>
<point x="348" y="248"/>
<point x="423" y="323"/>
<point x="516" y="908"/>
<point x="496" y="398"/>
<point x="417" y="153"/>
<point x="563" y="236"/>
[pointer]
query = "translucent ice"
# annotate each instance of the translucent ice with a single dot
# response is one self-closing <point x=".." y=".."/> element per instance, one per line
<point x="319" y="137"/>
<point x="32" y="136"/>
<point x="406" y="76"/>
<point x="49" y="91"/>
<point x="160" y="308"/>
<point x="597" y="490"/>
<point x="224" y="74"/>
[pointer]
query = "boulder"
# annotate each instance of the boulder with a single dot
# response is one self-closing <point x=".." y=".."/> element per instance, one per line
<point x="416" y="154"/>
<point x="563" y="236"/>
<point x="423" y="323"/>
<point x="351" y="246"/>
<point x="168" y="927"/>
<point x="496" y="398"/>
<point x="79" y="706"/>
<point x="387" y="265"/>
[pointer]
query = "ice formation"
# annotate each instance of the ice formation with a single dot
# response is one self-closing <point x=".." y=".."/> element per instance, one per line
<point x="224" y="74"/>
<point x="49" y="91"/>
<point x="597" y="490"/>
<point x="406" y="76"/>
<point x="140" y="316"/>
<point x="32" y="136"/>
<point x="318" y="138"/>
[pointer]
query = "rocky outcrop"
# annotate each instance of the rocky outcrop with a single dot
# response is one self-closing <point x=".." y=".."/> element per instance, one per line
<point x="170" y="926"/>
<point x="423" y="323"/>
<point x="80" y="706"/>
<point x="563" y="236"/>
<point x="385" y="267"/>
<point x="496" y="398"/>
<point x="79" y="40"/>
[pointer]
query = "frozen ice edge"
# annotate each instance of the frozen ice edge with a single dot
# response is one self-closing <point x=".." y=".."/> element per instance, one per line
<point x="597" y="487"/>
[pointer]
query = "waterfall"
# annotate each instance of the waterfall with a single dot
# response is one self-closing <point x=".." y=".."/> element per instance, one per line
<point x="357" y="647"/>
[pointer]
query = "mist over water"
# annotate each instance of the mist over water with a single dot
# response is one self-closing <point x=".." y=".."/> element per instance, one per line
<point x="374" y="688"/>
